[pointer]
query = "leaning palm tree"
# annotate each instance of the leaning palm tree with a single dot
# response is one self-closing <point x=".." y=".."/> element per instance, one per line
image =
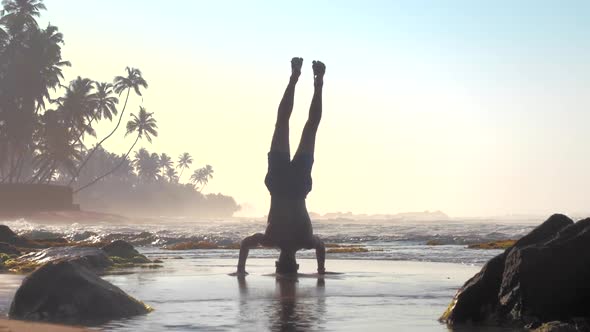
<point x="134" y="81"/>
<point x="184" y="161"/>
<point x="104" y="106"/>
<point x="206" y="174"/>
<point x="196" y="177"/>
<point x="201" y="176"/>
<point x="144" y="125"/>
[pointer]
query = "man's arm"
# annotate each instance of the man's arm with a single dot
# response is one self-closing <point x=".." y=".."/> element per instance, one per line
<point x="320" y="254"/>
<point x="247" y="244"/>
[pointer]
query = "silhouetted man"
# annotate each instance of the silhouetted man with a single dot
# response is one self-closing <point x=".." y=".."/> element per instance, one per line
<point x="289" y="181"/>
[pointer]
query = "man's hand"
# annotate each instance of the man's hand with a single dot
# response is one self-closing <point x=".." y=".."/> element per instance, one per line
<point x="239" y="274"/>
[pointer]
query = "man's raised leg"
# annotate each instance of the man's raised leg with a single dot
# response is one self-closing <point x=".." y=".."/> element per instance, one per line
<point x="280" y="138"/>
<point x="307" y="143"/>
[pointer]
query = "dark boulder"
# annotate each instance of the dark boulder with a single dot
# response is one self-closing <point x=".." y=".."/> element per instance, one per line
<point x="8" y="249"/>
<point x="40" y="235"/>
<point x="84" y="236"/>
<point x="477" y="301"/>
<point x="549" y="281"/>
<point x="92" y="258"/>
<point x="125" y="251"/>
<point x="10" y="237"/>
<point x="120" y="248"/>
<point x="68" y="292"/>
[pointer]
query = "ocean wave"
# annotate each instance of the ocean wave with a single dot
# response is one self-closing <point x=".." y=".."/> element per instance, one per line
<point x="383" y="240"/>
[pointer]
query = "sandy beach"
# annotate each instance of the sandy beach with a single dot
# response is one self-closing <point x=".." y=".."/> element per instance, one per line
<point x="20" y="326"/>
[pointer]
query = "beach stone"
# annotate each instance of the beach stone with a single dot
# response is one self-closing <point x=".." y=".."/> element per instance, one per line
<point x="477" y="301"/>
<point x="40" y="235"/>
<point x="83" y="236"/>
<point x="124" y="250"/>
<point x="549" y="281"/>
<point x="10" y="237"/>
<point x="8" y="249"/>
<point x="68" y="292"/>
<point x="120" y="248"/>
<point x="557" y="326"/>
<point x="92" y="258"/>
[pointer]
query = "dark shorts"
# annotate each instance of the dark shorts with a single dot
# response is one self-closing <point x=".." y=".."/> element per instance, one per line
<point x="289" y="178"/>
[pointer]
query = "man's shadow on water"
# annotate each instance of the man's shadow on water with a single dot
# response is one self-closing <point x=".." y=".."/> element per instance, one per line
<point x="291" y="308"/>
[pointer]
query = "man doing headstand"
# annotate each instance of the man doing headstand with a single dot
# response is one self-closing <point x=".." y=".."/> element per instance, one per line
<point x="289" y="181"/>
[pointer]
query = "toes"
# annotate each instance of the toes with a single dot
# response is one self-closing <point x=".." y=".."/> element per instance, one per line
<point x="297" y="61"/>
<point x="318" y="67"/>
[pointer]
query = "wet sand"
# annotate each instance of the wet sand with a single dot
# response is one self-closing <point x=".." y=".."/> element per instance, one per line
<point x="7" y="325"/>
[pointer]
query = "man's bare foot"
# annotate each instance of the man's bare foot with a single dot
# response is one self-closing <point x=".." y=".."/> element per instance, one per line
<point x="296" y="64"/>
<point x="319" y="69"/>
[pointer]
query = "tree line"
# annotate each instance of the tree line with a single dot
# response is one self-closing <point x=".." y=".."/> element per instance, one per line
<point x="42" y="137"/>
<point x="45" y="122"/>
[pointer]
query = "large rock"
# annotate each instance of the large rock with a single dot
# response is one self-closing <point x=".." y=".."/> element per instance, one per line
<point x="120" y="248"/>
<point x="124" y="250"/>
<point x="549" y="281"/>
<point x="8" y="249"/>
<point x="8" y="236"/>
<point x="477" y="301"/>
<point x="92" y="258"/>
<point x="68" y="292"/>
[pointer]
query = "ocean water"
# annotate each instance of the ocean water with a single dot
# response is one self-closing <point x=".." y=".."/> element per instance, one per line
<point x="385" y="240"/>
<point x="400" y="284"/>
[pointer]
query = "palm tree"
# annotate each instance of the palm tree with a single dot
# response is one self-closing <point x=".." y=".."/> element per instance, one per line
<point x="172" y="175"/>
<point x="106" y="103"/>
<point x="134" y="81"/>
<point x="184" y="162"/>
<point x="31" y="64"/>
<point x="19" y="15"/>
<point x="165" y="163"/>
<point x="104" y="106"/>
<point x="77" y="106"/>
<point x="57" y="148"/>
<point x="145" y="125"/>
<point x="202" y="175"/>
<point x="147" y="165"/>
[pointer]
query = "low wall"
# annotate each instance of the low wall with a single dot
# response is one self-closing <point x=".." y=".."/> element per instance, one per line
<point x="25" y="198"/>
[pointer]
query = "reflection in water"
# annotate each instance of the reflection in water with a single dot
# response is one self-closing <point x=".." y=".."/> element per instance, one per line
<point x="293" y="308"/>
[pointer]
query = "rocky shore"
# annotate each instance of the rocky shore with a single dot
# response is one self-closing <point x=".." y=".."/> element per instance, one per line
<point x="65" y="284"/>
<point x="540" y="282"/>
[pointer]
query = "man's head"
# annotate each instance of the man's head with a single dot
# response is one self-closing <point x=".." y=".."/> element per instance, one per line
<point x="287" y="263"/>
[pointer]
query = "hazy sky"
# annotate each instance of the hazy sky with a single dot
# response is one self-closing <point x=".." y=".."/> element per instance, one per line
<point x="470" y="107"/>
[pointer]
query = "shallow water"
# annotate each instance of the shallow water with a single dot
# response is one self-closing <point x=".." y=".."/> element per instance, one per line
<point x="196" y="294"/>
